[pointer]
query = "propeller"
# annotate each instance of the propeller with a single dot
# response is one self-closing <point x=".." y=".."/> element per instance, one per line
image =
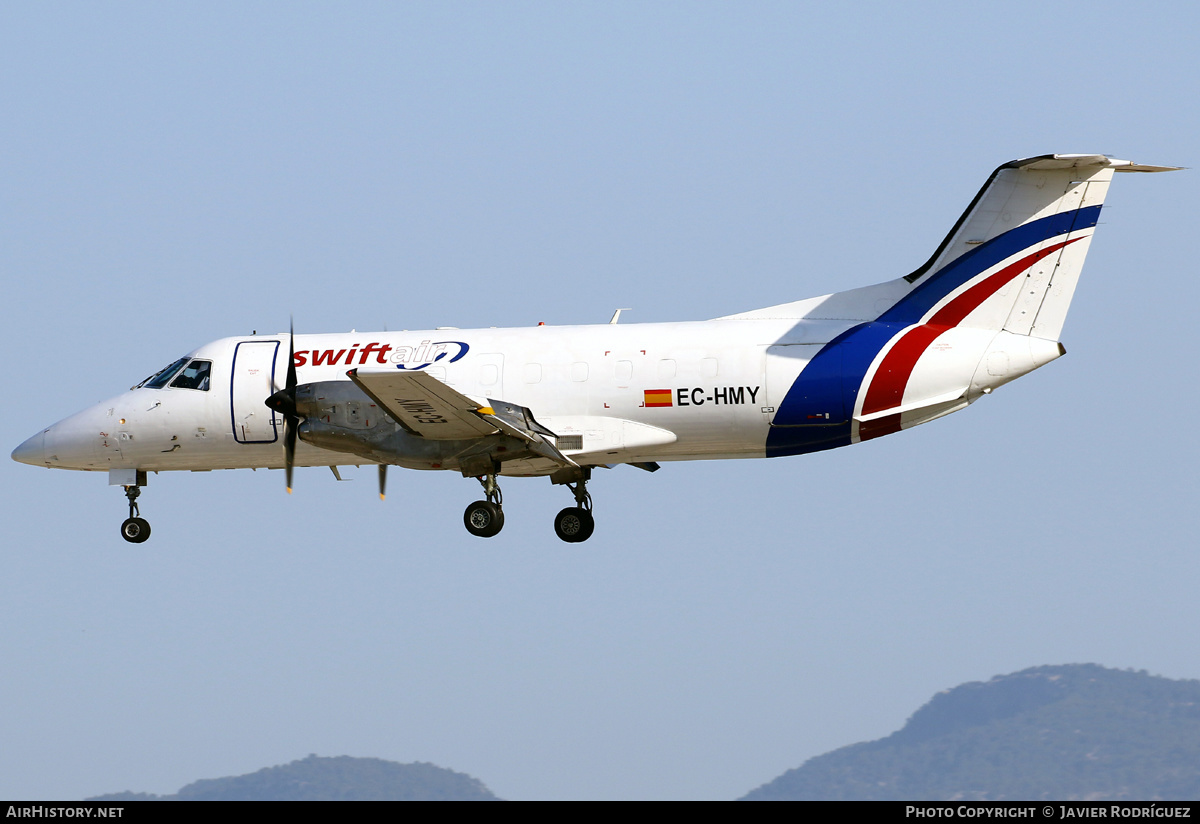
<point x="284" y="402"/>
<point x="382" y="480"/>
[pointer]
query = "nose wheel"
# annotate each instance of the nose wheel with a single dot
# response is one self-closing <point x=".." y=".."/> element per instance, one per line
<point x="134" y="529"/>
<point x="483" y="519"/>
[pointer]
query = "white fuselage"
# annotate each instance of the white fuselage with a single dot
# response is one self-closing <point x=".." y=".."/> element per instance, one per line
<point x="708" y="384"/>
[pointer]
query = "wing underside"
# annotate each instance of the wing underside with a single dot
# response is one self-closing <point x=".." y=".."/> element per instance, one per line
<point x="428" y="408"/>
<point x="423" y="405"/>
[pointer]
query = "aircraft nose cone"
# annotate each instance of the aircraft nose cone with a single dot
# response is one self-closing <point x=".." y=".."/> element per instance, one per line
<point x="33" y="451"/>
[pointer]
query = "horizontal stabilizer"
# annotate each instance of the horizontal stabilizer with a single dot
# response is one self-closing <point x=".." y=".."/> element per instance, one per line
<point x="1078" y="161"/>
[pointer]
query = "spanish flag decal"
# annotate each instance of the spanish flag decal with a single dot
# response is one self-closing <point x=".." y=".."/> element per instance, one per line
<point x="658" y="397"/>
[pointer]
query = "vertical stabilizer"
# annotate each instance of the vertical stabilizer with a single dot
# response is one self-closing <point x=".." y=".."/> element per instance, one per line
<point x="1014" y="257"/>
<point x="986" y="308"/>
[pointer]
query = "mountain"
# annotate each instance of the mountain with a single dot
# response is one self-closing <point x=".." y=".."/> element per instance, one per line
<point x="1079" y="731"/>
<point x="330" y="779"/>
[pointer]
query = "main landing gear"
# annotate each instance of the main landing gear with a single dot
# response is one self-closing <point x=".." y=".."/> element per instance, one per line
<point x="134" y="529"/>
<point x="484" y="519"/>
<point x="575" y="524"/>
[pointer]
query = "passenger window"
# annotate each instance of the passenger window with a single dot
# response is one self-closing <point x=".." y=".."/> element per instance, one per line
<point x="194" y="376"/>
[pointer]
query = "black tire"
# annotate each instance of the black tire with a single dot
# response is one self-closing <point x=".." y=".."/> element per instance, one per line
<point x="135" y="530"/>
<point x="574" y="525"/>
<point x="483" y="519"/>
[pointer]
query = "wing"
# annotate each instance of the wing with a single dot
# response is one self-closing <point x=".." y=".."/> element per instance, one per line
<point x="424" y="405"/>
<point x="428" y="408"/>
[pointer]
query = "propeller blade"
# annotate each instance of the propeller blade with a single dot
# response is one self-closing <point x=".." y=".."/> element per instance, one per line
<point x="291" y="370"/>
<point x="289" y="443"/>
<point x="291" y="420"/>
<point x="382" y="480"/>
<point x="284" y="402"/>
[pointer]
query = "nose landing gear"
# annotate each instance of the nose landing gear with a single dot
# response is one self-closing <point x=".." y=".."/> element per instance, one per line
<point x="134" y="528"/>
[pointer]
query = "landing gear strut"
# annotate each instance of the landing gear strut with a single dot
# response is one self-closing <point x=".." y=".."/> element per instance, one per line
<point x="484" y="519"/>
<point x="134" y="529"/>
<point x="575" y="524"/>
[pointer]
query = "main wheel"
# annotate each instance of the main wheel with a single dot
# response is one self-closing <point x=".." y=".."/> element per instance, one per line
<point x="483" y="519"/>
<point x="574" y="525"/>
<point x="135" y="530"/>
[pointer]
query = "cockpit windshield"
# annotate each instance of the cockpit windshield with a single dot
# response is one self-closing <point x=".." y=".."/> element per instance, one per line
<point x="193" y="376"/>
<point x="159" y="379"/>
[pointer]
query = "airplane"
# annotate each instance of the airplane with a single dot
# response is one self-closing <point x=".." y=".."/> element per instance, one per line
<point x="560" y="401"/>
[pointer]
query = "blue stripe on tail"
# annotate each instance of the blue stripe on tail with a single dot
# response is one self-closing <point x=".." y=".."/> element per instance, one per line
<point x="833" y="378"/>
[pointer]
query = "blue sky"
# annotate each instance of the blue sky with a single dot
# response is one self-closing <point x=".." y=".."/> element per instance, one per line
<point x="172" y="174"/>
